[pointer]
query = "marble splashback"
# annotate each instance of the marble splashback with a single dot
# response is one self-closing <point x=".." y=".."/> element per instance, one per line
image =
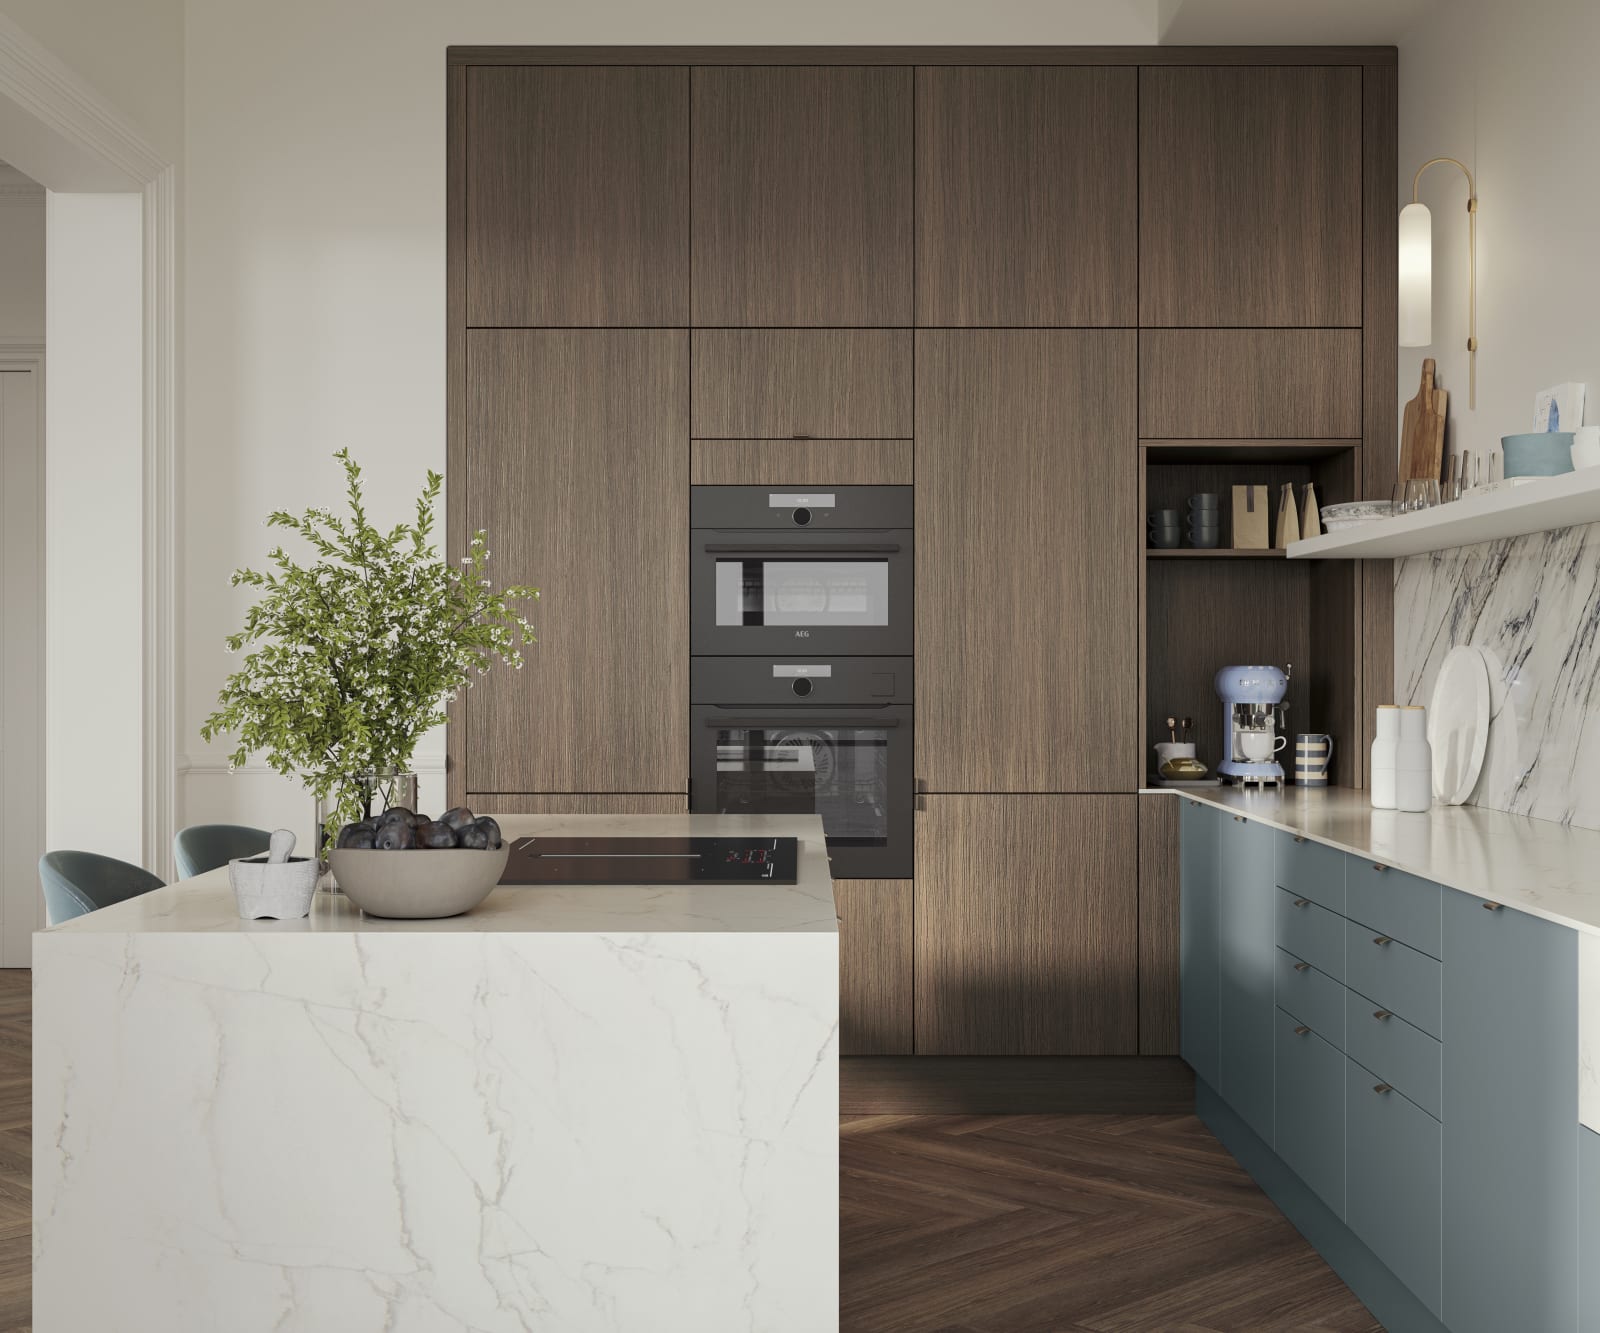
<point x="1534" y="603"/>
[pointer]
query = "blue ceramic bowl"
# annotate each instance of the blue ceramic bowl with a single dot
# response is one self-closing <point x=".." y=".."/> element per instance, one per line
<point x="1546" y="454"/>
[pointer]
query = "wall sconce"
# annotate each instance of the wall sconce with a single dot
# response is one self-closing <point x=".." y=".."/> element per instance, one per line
<point x="1416" y="273"/>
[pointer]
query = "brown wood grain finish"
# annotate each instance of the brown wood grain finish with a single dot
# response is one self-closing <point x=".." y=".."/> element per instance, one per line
<point x="577" y="803"/>
<point x="1028" y="551"/>
<point x="578" y="196"/>
<point x="455" y="394"/>
<point x="803" y="463"/>
<point x="1158" y="925"/>
<point x="1250" y="196"/>
<point x="1238" y="383"/>
<point x="577" y="464"/>
<point x="802" y="199"/>
<point x="821" y="383"/>
<point x="1027" y="925"/>
<point x="1334" y="615"/>
<point x="1014" y="1085"/>
<point x="1027" y="196"/>
<point x="875" y="978"/>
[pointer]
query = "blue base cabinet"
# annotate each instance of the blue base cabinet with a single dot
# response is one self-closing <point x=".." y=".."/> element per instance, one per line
<point x="1200" y="829"/>
<point x="1249" y="902"/>
<point x="1588" y="1231"/>
<point x="1308" y="1109"/>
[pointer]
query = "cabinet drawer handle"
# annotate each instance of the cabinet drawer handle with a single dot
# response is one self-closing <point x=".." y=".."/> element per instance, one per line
<point x="1302" y="967"/>
<point x="1378" y="867"/>
<point x="1381" y="1088"/>
<point x="1381" y="1014"/>
<point x="1298" y="838"/>
<point x="1492" y="907"/>
<point x="1302" y="902"/>
<point x="1301" y="1030"/>
<point x="1238" y="819"/>
<point x="1382" y="939"/>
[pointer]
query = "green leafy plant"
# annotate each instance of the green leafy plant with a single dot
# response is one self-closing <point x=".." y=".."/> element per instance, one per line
<point x="353" y="657"/>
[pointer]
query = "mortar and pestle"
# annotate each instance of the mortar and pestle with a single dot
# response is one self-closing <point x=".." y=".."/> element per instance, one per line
<point x="276" y="885"/>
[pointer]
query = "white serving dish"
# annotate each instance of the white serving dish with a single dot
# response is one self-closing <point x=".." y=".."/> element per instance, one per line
<point x="419" y="882"/>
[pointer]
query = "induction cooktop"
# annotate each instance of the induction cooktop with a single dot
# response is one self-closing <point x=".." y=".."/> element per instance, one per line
<point x="652" y="861"/>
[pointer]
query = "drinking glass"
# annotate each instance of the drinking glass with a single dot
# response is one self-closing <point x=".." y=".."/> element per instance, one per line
<point x="1414" y="494"/>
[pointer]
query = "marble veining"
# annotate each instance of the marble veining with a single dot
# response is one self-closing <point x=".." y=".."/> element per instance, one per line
<point x="1534" y="603"/>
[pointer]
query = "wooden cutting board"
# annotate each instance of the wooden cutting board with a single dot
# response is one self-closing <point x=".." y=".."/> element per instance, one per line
<point x="1422" y="429"/>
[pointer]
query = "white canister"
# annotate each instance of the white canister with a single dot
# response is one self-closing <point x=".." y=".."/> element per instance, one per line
<point x="1385" y="757"/>
<point x="1413" y="786"/>
<point x="1586" y="446"/>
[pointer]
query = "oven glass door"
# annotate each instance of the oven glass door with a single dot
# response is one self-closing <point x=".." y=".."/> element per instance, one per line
<point x="821" y="594"/>
<point x="854" y="773"/>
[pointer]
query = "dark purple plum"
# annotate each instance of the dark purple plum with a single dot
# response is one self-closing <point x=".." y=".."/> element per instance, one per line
<point x="491" y="831"/>
<point x="436" y="835"/>
<point x="474" y="836"/>
<point x="396" y="814"/>
<point x="356" y="836"/>
<point x="396" y="837"/>
<point x="458" y="818"/>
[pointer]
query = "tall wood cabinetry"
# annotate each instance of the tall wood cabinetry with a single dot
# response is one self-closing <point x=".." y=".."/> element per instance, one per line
<point x="1049" y="288"/>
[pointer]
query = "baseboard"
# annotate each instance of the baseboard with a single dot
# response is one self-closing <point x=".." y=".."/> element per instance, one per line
<point x="1014" y="1085"/>
<point x="1391" y="1302"/>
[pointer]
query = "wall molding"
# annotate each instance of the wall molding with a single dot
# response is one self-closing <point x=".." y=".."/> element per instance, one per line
<point x="37" y="83"/>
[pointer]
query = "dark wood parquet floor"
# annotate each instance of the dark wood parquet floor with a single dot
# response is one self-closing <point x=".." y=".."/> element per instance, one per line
<point x="1069" y="1224"/>
<point x="962" y="1224"/>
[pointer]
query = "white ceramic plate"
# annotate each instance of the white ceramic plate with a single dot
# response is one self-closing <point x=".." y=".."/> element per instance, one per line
<point x="1458" y="724"/>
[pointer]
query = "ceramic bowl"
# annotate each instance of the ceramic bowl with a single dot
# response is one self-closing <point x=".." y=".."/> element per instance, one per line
<point x="417" y="883"/>
<point x="1542" y="454"/>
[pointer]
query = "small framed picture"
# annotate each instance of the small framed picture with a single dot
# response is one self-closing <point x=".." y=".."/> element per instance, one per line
<point x="1560" y="408"/>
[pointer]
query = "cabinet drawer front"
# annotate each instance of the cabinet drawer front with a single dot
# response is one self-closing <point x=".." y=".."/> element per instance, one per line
<point x="1393" y="1175"/>
<point x="1308" y="1109"/>
<point x="1311" y="870"/>
<point x="1313" y="997"/>
<point x="1395" y="976"/>
<point x="1397" y="1052"/>
<point x="1395" y="903"/>
<point x="1311" y="932"/>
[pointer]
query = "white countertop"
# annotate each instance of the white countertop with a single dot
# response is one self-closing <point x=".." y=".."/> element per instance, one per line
<point x="205" y="904"/>
<point x="1545" y="869"/>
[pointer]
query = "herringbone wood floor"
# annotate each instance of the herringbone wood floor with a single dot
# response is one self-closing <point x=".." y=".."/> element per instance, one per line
<point x="1068" y="1224"/>
<point x="962" y="1224"/>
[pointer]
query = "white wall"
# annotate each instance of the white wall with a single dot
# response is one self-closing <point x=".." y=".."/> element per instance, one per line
<point x="93" y="476"/>
<point x="315" y="255"/>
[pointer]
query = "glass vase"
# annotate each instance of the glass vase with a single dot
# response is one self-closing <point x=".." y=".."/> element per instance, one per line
<point x="375" y="792"/>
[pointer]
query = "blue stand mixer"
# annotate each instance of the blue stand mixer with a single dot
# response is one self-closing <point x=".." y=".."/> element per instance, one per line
<point x="1252" y="713"/>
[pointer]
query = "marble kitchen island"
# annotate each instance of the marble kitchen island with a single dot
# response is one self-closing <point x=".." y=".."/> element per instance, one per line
<point x="572" y="1109"/>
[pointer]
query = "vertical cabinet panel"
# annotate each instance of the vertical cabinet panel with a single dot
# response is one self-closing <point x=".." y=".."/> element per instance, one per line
<point x="1026" y="925"/>
<point x="874" y="966"/>
<point x="1250" y="196"/>
<point x="1588" y="1231"/>
<point x="1160" y="910"/>
<point x="1308" y="1108"/>
<point x="577" y="464"/>
<point x="577" y="206"/>
<point x="1200" y="833"/>
<point x="1248" y="900"/>
<point x="802" y="195"/>
<point x="1028" y="546"/>
<point x="1027" y="195"/>
<point x="1510" y="1105"/>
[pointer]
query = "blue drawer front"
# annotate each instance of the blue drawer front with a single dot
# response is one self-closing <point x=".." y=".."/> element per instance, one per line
<point x="1396" y="904"/>
<point x="1313" y="997"/>
<point x="1309" y="1109"/>
<point x="1311" y="932"/>
<point x="1311" y="870"/>
<point x="1396" y="1052"/>
<point x="1393" y="1176"/>
<point x="1588" y="1231"/>
<point x="1395" y="976"/>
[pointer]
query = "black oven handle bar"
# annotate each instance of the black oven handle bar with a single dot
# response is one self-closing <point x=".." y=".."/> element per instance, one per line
<point x="742" y="723"/>
<point x="802" y="548"/>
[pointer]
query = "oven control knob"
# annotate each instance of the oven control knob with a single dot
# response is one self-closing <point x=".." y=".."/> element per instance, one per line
<point x="802" y="686"/>
<point x="802" y="517"/>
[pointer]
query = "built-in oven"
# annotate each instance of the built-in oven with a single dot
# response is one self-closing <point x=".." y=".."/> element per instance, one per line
<point x="830" y="736"/>
<point x="775" y="571"/>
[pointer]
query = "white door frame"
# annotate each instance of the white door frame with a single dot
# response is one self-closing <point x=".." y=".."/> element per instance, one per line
<point x="36" y="83"/>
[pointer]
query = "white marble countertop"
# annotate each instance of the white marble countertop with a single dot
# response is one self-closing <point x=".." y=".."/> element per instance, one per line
<point x="205" y="904"/>
<point x="1545" y="869"/>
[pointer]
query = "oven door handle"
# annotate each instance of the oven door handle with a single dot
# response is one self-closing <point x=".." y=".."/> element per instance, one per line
<point x="802" y="548"/>
<point x="741" y="723"/>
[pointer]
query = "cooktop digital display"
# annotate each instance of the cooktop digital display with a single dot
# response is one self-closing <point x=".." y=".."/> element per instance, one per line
<point x="652" y="861"/>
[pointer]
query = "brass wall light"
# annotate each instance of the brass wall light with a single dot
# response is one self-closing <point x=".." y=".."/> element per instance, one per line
<point x="1416" y="273"/>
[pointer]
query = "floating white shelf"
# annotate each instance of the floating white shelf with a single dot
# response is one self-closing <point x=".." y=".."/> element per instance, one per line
<point x="1530" y="506"/>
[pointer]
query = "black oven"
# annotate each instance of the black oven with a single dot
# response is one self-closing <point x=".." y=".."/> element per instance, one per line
<point x="775" y="571"/>
<point x="810" y="735"/>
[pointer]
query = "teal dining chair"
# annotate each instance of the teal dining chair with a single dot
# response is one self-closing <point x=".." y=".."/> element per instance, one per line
<point x="204" y="847"/>
<point x="80" y="882"/>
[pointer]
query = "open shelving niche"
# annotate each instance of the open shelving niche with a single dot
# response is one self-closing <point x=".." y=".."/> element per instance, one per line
<point x="1206" y="608"/>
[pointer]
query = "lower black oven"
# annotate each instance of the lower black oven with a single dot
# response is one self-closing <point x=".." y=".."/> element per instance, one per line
<point x="831" y="737"/>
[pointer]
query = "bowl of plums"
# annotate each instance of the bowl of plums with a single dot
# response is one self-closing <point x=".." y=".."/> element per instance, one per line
<point x="403" y="864"/>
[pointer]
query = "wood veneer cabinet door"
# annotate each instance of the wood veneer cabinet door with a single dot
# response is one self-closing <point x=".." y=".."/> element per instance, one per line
<point x="1029" y="539"/>
<point x="1250" y="195"/>
<point x="1027" y="195"/>
<point x="874" y="966"/>
<point x="802" y="195"/>
<point x="1027" y="925"/>
<point x="577" y="187"/>
<point x="578" y="466"/>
